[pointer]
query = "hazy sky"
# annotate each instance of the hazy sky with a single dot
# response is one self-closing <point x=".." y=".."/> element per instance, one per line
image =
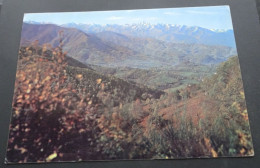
<point x="211" y="17"/>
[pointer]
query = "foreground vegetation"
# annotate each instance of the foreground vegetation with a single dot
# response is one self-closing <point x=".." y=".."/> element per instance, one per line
<point x="63" y="112"/>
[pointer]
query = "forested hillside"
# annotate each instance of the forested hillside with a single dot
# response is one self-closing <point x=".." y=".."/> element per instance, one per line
<point x="62" y="112"/>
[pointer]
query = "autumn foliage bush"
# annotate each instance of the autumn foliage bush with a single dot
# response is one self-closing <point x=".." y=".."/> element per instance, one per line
<point x="50" y="117"/>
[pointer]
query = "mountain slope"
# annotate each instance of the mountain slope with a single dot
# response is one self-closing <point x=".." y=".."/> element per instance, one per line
<point x="78" y="44"/>
<point x="153" y="52"/>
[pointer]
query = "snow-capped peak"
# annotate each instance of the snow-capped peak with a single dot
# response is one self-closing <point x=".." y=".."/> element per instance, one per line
<point x="219" y="30"/>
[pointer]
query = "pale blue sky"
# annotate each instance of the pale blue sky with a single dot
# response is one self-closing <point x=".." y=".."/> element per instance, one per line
<point x="211" y="17"/>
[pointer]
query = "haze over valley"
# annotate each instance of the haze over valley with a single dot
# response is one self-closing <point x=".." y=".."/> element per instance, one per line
<point x="164" y="56"/>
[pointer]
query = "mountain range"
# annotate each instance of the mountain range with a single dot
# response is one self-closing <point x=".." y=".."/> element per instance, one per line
<point x="111" y="49"/>
<point x="165" y="32"/>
